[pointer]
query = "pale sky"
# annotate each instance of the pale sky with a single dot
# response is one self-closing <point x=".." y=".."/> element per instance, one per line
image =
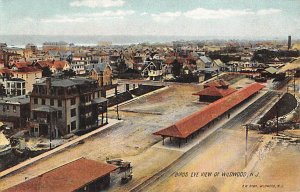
<point x="243" y="18"/>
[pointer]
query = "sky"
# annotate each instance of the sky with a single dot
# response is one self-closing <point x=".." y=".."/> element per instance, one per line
<point x="235" y="18"/>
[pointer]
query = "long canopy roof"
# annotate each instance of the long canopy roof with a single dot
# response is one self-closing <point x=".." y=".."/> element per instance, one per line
<point x="194" y="122"/>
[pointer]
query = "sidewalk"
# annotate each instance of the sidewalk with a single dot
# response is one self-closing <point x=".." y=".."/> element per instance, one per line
<point x="139" y="97"/>
<point x="53" y="151"/>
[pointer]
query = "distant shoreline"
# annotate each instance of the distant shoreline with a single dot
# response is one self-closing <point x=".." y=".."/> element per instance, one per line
<point x="92" y="40"/>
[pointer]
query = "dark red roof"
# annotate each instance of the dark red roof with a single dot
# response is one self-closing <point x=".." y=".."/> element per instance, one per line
<point x="44" y="63"/>
<point x="214" y="91"/>
<point x="69" y="177"/>
<point x="199" y="119"/>
<point x="22" y="64"/>
<point x="217" y="83"/>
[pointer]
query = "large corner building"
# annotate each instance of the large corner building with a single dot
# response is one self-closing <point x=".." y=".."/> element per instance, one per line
<point x="63" y="106"/>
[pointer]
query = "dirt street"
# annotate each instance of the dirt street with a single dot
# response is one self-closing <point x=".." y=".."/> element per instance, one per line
<point x="127" y="139"/>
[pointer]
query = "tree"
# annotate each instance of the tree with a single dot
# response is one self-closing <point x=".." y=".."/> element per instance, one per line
<point x="176" y="68"/>
<point x="2" y="91"/>
<point x="69" y="73"/>
<point x="46" y="72"/>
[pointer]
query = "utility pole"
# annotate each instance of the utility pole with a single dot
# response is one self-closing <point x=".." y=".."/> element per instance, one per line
<point x="117" y="98"/>
<point x="277" y="116"/>
<point x="50" y="129"/>
<point x="294" y="85"/>
<point x="277" y="113"/>
<point x="246" y="149"/>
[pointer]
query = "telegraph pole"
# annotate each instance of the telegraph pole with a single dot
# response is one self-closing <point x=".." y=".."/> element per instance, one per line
<point x="294" y="85"/>
<point x="277" y="113"/>
<point x="117" y="98"/>
<point x="50" y="129"/>
<point x="277" y="116"/>
<point x="246" y="149"/>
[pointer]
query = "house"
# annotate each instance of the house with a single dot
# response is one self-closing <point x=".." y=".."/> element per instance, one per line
<point x="153" y="70"/>
<point x="14" y="86"/>
<point x="63" y="106"/>
<point x="103" y="74"/>
<point x="219" y="64"/>
<point x="43" y="64"/>
<point x="78" y="68"/>
<point x="30" y="50"/>
<point x="78" y="175"/>
<point x="103" y="57"/>
<point x="59" y="66"/>
<point x="204" y="61"/>
<point x="29" y="74"/>
<point x="115" y="56"/>
<point x="214" y="90"/>
<point x="168" y="65"/>
<point x="79" y="62"/>
<point x="53" y="55"/>
<point x="14" y="111"/>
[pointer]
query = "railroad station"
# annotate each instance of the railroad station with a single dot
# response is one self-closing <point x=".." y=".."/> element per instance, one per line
<point x="197" y="122"/>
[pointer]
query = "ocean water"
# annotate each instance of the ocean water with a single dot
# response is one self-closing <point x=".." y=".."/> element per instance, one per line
<point x="22" y="40"/>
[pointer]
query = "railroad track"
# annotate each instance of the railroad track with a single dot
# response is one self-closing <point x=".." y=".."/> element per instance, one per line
<point x="250" y="110"/>
<point x="239" y="119"/>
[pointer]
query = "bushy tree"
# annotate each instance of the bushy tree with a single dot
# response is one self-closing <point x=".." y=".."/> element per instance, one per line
<point x="69" y="73"/>
<point x="46" y="72"/>
<point x="176" y="68"/>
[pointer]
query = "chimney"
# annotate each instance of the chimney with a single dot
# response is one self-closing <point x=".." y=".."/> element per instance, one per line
<point x="48" y="84"/>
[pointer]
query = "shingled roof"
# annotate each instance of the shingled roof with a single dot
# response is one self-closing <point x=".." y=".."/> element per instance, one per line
<point x="69" y="177"/>
<point x="196" y="121"/>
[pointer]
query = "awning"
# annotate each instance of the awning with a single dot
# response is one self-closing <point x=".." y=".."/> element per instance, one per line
<point x="47" y="109"/>
<point x="99" y="100"/>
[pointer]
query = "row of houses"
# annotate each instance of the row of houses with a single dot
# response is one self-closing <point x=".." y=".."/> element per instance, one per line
<point x="19" y="79"/>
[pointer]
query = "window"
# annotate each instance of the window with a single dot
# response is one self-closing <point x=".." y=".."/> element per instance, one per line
<point x="59" y="114"/>
<point x="73" y="125"/>
<point x="59" y="103"/>
<point x="73" y="101"/>
<point x="43" y="102"/>
<point x="51" y="102"/>
<point x="73" y="112"/>
<point x="14" y="108"/>
<point x="35" y="101"/>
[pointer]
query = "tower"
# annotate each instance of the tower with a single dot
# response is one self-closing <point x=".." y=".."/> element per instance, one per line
<point x="289" y="42"/>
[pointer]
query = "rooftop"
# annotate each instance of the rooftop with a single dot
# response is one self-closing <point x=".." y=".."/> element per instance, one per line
<point x="55" y="82"/>
<point x="217" y="83"/>
<point x="68" y="177"/>
<point x="214" y="91"/>
<point x="197" y="120"/>
<point x="15" y="100"/>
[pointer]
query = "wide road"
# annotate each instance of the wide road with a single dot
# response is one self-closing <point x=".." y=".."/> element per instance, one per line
<point x="222" y="151"/>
